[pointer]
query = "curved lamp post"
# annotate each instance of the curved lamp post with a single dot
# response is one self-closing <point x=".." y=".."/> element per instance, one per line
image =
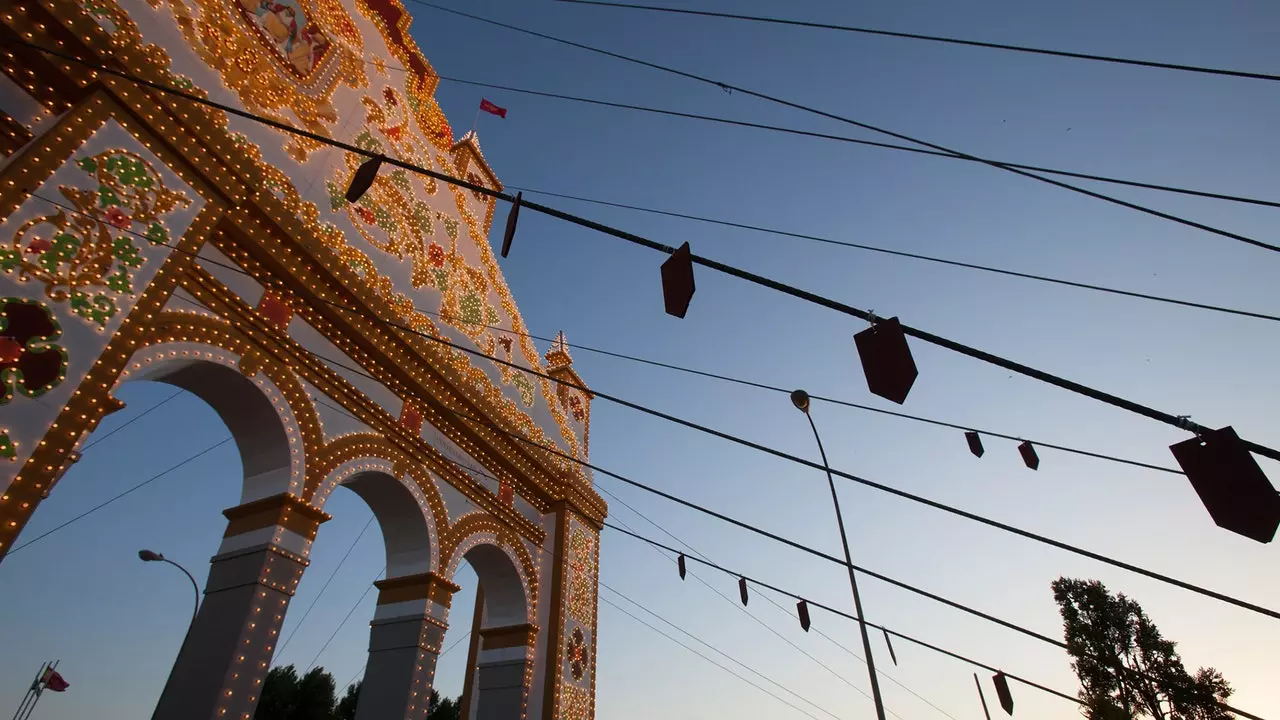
<point x="149" y="556"/>
<point x="800" y="399"/>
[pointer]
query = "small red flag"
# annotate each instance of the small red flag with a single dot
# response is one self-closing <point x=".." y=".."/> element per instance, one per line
<point x="53" y="681"/>
<point x="492" y="109"/>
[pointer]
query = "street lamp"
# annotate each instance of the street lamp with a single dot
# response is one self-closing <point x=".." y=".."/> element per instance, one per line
<point x="149" y="556"/>
<point x="800" y="399"/>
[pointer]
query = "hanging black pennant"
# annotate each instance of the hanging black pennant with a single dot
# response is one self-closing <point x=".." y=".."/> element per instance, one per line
<point x="886" y="360"/>
<point x="1002" y="690"/>
<point x="1029" y="455"/>
<point x="892" y="654"/>
<point x="802" y="609"/>
<point x="1232" y="487"/>
<point x="363" y="178"/>
<point x="512" y="216"/>
<point x="677" y="281"/>
<point x="742" y="589"/>
<point x="975" y="443"/>
<point x="680" y="562"/>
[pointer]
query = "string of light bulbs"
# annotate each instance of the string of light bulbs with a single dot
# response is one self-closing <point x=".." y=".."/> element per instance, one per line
<point x="754" y="529"/>
<point x="746" y="443"/>
<point x="1180" y="421"/>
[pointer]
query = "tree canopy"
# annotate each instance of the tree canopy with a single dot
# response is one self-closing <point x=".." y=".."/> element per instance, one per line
<point x="285" y="696"/>
<point x="1127" y="669"/>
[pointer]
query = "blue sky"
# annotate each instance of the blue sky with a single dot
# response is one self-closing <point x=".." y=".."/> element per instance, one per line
<point x="81" y="594"/>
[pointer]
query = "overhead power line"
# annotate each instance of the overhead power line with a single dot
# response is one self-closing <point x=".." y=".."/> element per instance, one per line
<point x="910" y="255"/>
<point x="882" y="628"/>
<point x="116" y="497"/>
<point x="724" y="654"/>
<point x="1183" y="422"/>
<point x="832" y="610"/>
<point x="316" y="599"/>
<point x="344" y="621"/>
<point x="132" y="420"/>
<point x="859" y="141"/>
<point x="864" y="125"/>
<point x="941" y="39"/>
<point x="433" y="402"/>
<point x="780" y="389"/>
<point x="640" y="537"/>
<point x="478" y="471"/>
<point x="704" y="656"/>
<point x="777" y="605"/>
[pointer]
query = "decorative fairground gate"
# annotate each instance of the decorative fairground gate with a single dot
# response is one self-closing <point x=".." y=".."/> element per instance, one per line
<point x="144" y="236"/>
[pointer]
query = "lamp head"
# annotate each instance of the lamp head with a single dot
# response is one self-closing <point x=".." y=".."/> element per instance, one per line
<point x="800" y="399"/>
<point x="148" y="556"/>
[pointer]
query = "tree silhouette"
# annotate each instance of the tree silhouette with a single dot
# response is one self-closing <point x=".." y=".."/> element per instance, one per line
<point x="346" y="707"/>
<point x="285" y="696"/>
<point x="1127" y="669"/>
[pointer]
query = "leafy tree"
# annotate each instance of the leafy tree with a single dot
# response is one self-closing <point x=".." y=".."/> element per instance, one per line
<point x="316" y="696"/>
<point x="278" y="693"/>
<point x="285" y="696"/>
<point x="346" y="707"/>
<point x="1127" y="669"/>
<point x="449" y="709"/>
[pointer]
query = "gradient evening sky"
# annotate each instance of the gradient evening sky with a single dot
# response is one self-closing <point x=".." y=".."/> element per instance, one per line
<point x="82" y="595"/>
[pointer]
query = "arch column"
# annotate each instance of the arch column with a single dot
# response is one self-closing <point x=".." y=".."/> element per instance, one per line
<point x="404" y="643"/>
<point x="228" y="649"/>
<point x="499" y="665"/>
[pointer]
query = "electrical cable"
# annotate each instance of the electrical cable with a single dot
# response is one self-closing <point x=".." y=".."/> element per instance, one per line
<point x="344" y="620"/>
<point x="731" y="379"/>
<point x="280" y="649"/>
<point x="724" y="654"/>
<point x="1183" y="422"/>
<point x="865" y="126"/>
<point x="774" y="536"/>
<point x="114" y="498"/>
<point x="882" y="628"/>
<point x="940" y="39"/>
<point x="773" y="602"/>
<point x="452" y="645"/>
<point x="754" y="684"/>
<point x="776" y="388"/>
<point x="917" y="256"/>
<point x="762" y="448"/>
<point x="855" y="141"/>
<point x="656" y="545"/>
<point x="130" y="421"/>
<point x="845" y="138"/>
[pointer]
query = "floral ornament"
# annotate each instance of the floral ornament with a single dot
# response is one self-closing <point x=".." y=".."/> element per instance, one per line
<point x="8" y="448"/>
<point x="392" y="217"/>
<point x="575" y="407"/>
<point x="30" y="362"/>
<point x="577" y="654"/>
<point x="86" y="254"/>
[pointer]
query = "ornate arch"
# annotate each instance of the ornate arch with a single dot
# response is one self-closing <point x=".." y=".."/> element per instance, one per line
<point x="482" y="529"/>
<point x="350" y="456"/>
<point x="205" y="355"/>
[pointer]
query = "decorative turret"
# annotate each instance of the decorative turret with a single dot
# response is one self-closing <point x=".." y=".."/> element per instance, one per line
<point x="576" y="403"/>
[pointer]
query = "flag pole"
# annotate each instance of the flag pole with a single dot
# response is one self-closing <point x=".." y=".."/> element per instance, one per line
<point x="25" y="698"/>
<point x="39" y="691"/>
<point x="475" y="122"/>
<point x="22" y="706"/>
